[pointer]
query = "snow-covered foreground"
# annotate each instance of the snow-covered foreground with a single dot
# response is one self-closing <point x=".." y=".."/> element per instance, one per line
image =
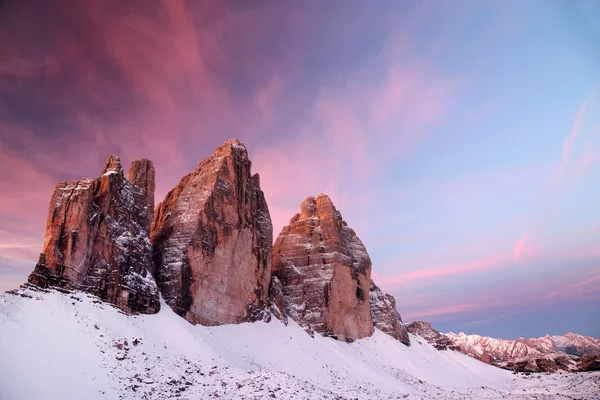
<point x="56" y="346"/>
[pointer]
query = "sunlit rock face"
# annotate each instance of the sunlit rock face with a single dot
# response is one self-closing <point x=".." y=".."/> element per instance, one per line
<point x="97" y="238"/>
<point x="385" y="316"/>
<point x="212" y="237"/>
<point x="325" y="272"/>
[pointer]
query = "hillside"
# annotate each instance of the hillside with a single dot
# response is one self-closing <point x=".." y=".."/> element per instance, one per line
<point x="57" y="346"/>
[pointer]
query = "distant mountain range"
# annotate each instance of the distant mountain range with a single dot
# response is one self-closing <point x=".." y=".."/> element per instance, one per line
<point x="570" y="352"/>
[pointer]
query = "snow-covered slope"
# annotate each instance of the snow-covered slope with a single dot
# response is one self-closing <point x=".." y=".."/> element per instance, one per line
<point x="57" y="346"/>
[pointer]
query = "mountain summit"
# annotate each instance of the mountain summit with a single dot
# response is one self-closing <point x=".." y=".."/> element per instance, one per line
<point x="325" y="272"/>
<point x="212" y="237"/>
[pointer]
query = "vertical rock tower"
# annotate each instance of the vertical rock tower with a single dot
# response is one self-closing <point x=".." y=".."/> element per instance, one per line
<point x="97" y="238"/>
<point x="325" y="272"/>
<point x="212" y="237"/>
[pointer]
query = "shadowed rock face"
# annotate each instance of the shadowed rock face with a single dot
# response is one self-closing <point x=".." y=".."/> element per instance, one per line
<point x="97" y="238"/>
<point x="325" y="272"/>
<point x="212" y="237"/>
<point x="277" y="305"/>
<point x="385" y="316"/>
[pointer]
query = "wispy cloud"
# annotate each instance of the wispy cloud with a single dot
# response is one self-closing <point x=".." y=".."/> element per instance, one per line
<point x="519" y="248"/>
<point x="437" y="311"/>
<point x="471" y="267"/>
<point x="553" y="195"/>
<point x="568" y="143"/>
<point x="589" y="285"/>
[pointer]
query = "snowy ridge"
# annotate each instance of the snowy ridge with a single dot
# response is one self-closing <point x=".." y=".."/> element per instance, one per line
<point x="545" y="354"/>
<point x="58" y="346"/>
<point x="571" y="343"/>
<point x="496" y="349"/>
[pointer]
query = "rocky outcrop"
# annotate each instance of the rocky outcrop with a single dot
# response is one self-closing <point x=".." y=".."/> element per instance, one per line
<point x="385" y="316"/>
<point x="589" y="363"/>
<point x="325" y="272"/>
<point x="539" y="363"/>
<point x="212" y="238"/>
<point x="433" y="337"/>
<point x="97" y="238"/>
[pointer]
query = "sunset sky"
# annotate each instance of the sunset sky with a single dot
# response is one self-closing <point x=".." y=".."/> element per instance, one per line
<point x="460" y="139"/>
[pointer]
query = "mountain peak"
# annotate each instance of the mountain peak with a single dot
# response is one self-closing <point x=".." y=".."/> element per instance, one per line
<point x="325" y="272"/>
<point x="112" y="166"/>
<point x="212" y="238"/>
<point x="232" y="147"/>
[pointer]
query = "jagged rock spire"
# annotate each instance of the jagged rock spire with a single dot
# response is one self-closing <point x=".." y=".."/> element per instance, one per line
<point x="112" y="165"/>
<point x="212" y="238"/>
<point x="325" y="272"/>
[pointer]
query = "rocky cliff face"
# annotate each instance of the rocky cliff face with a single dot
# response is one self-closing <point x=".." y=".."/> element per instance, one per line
<point x="97" y="238"/>
<point x="385" y="316"/>
<point x="212" y="237"/>
<point x="324" y="271"/>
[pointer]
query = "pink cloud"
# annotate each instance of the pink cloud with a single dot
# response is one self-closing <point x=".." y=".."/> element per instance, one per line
<point x="508" y="300"/>
<point x="150" y="83"/>
<point x="266" y="100"/>
<point x="519" y="248"/>
<point x="21" y="185"/>
<point x="577" y="289"/>
<point x="437" y="311"/>
<point x="405" y="94"/>
<point x="394" y="282"/>
<point x="338" y="141"/>
<point x="584" y="161"/>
